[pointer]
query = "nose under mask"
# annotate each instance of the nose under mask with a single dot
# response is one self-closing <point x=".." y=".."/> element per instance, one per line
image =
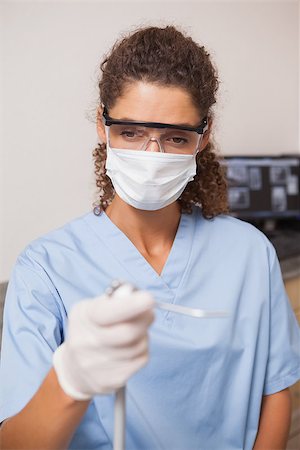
<point x="149" y="180"/>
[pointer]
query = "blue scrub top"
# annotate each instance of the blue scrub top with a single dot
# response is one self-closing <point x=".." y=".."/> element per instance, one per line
<point x="203" y="385"/>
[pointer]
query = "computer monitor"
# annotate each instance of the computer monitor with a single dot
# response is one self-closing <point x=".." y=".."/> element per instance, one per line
<point x="264" y="187"/>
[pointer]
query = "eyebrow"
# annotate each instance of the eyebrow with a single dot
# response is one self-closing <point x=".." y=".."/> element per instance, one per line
<point x="182" y="124"/>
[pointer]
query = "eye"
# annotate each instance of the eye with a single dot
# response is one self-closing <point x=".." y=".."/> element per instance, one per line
<point x="131" y="133"/>
<point x="179" y="140"/>
<point x="127" y="133"/>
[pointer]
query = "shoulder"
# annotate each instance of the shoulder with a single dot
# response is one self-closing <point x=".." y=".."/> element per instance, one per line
<point x="231" y="232"/>
<point x="235" y="226"/>
<point x="66" y="238"/>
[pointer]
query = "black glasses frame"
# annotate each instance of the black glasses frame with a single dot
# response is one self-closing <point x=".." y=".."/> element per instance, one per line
<point x="110" y="121"/>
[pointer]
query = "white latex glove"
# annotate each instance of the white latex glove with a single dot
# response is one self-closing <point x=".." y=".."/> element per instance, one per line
<point x="107" y="342"/>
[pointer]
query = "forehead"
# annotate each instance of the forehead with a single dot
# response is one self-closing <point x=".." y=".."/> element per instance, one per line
<point x="148" y="102"/>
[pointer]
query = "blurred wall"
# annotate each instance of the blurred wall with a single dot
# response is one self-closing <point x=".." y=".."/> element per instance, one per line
<point x="50" y="52"/>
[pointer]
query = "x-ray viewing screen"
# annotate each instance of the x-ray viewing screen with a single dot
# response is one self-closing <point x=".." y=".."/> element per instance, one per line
<point x="264" y="186"/>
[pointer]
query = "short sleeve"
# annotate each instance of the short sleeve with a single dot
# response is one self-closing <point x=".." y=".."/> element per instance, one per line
<point x="283" y="366"/>
<point x="32" y="330"/>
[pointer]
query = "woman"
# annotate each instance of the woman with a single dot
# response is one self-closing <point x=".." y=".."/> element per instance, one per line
<point x="161" y="224"/>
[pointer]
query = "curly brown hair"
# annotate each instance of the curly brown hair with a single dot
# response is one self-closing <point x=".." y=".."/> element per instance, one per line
<point x="165" y="56"/>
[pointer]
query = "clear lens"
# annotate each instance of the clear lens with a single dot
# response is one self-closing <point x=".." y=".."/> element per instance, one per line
<point x="135" y="137"/>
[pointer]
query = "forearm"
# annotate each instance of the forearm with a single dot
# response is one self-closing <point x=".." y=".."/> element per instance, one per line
<point x="275" y="420"/>
<point x="48" y="421"/>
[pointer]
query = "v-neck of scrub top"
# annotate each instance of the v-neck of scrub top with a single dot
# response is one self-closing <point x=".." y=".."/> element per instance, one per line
<point x="134" y="262"/>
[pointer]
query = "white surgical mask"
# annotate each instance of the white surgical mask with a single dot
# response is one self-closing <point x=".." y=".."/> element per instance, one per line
<point x="149" y="180"/>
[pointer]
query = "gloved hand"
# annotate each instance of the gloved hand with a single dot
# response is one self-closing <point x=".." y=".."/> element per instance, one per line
<point x="106" y="343"/>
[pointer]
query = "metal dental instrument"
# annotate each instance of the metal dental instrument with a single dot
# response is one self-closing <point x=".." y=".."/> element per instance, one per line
<point x="120" y="401"/>
<point x="192" y="312"/>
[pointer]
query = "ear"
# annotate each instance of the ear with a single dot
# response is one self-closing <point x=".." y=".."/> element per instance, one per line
<point x="206" y="135"/>
<point x="100" y="125"/>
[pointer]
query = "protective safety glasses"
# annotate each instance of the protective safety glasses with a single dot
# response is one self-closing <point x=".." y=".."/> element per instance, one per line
<point x="170" y="138"/>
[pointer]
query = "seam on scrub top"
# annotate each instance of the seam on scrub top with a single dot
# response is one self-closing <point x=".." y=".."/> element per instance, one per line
<point x="47" y="277"/>
<point x="120" y="263"/>
<point x="11" y="411"/>
<point x="109" y="441"/>
<point x="281" y="379"/>
<point x="187" y="264"/>
<point x="154" y="435"/>
<point x="59" y="317"/>
<point x="148" y="266"/>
